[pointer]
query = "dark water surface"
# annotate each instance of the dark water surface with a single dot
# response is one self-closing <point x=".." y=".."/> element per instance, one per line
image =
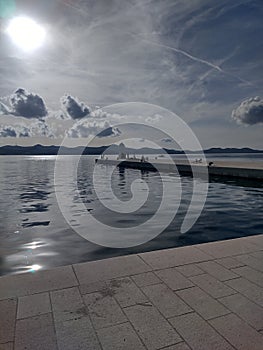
<point x="35" y="235"/>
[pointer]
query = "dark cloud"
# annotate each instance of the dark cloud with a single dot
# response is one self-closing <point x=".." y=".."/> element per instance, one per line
<point x="28" y="105"/>
<point x="74" y="108"/>
<point x="249" y="112"/>
<point x="7" y="131"/>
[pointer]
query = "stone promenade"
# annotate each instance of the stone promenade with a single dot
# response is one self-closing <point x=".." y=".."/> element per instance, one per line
<point x="202" y="297"/>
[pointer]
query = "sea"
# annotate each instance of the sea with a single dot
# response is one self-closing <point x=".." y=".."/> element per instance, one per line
<point x="38" y="233"/>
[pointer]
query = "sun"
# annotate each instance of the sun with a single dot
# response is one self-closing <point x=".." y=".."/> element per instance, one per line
<point x="26" y="33"/>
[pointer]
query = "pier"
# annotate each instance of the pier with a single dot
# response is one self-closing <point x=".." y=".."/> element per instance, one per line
<point x="242" y="170"/>
<point x="201" y="297"/>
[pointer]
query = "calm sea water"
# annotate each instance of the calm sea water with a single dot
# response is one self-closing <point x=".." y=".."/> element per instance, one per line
<point x="35" y="235"/>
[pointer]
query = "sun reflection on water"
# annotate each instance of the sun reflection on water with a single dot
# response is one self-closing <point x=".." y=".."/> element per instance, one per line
<point x="34" y="268"/>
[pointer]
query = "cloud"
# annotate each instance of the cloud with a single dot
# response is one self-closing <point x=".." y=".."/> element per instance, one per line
<point x="92" y="127"/>
<point x="4" y="110"/>
<point x="15" y="131"/>
<point x="28" y="105"/>
<point x="39" y="128"/>
<point x="74" y="108"/>
<point x="249" y="112"/>
<point x="57" y="115"/>
<point x="109" y="132"/>
<point x="99" y="113"/>
<point x="154" y="119"/>
<point x="167" y="140"/>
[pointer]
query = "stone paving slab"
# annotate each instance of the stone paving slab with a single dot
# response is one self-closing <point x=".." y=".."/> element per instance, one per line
<point x="257" y="240"/>
<point x="202" y="303"/>
<point x="67" y="304"/>
<point x="257" y="255"/>
<point x="238" y="332"/>
<point x="216" y="270"/>
<point x="76" y="334"/>
<point x="7" y="346"/>
<point x="120" y="337"/>
<point x="125" y="291"/>
<point x="201" y="297"/>
<point x="212" y="286"/>
<point x="248" y="289"/>
<point x="250" y="274"/>
<point x="35" y="333"/>
<point x="110" y="268"/>
<point x="7" y="320"/>
<point x="180" y="346"/>
<point x="230" y="247"/>
<point x="104" y="310"/>
<point x="199" y="334"/>
<point x="92" y="287"/>
<point x="162" y="259"/>
<point x="255" y="263"/>
<point x="146" y="279"/>
<point x="33" y="305"/>
<point x="166" y="301"/>
<point x="190" y="270"/>
<point x="245" y="309"/>
<point x="174" y="279"/>
<point x="154" y="330"/>
<point x="229" y="263"/>
<point x="41" y="281"/>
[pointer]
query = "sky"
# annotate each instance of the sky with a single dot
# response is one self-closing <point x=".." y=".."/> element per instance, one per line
<point x="200" y="59"/>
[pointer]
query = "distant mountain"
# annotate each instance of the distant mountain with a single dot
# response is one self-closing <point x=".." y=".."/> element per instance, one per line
<point x="114" y="149"/>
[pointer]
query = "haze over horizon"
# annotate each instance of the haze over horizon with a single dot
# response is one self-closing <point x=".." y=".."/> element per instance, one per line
<point x="200" y="60"/>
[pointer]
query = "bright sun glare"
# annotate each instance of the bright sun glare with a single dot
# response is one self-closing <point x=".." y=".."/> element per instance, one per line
<point x="26" y="33"/>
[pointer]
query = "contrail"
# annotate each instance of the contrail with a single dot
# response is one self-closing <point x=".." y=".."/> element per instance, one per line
<point x="194" y="58"/>
<point x="202" y="77"/>
<point x="182" y="52"/>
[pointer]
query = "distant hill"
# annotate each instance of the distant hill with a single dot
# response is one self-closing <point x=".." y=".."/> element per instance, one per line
<point x="114" y="149"/>
<point x="232" y="150"/>
<point x="48" y="150"/>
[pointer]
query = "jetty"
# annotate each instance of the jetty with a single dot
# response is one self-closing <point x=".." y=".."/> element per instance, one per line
<point x="243" y="170"/>
<point x="201" y="297"/>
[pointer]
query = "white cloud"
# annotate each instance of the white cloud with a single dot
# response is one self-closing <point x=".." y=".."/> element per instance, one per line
<point x="249" y="112"/>
<point x="154" y="119"/>
<point x="36" y="129"/>
<point x="92" y="127"/>
<point x="4" y="110"/>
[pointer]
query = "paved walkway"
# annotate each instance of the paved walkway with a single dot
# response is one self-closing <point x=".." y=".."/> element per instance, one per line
<point x="203" y="297"/>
